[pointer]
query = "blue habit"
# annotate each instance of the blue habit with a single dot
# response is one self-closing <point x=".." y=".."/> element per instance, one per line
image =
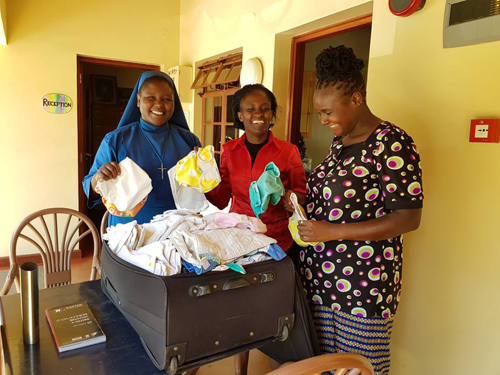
<point x="129" y="140"/>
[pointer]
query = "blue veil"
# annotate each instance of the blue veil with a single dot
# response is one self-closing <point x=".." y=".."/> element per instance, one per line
<point x="132" y="113"/>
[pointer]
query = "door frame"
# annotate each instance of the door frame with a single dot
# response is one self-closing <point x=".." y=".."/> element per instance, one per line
<point x="297" y="57"/>
<point x="82" y="198"/>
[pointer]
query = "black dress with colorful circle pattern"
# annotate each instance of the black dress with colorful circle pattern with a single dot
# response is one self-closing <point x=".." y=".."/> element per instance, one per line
<point x="356" y="183"/>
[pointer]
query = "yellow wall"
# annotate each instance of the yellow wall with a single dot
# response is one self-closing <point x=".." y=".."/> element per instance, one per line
<point x="448" y="319"/>
<point x="38" y="150"/>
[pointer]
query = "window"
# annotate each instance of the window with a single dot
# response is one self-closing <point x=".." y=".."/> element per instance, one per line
<point x="466" y="11"/>
<point x="216" y="73"/>
<point x="468" y="22"/>
<point x="218" y="80"/>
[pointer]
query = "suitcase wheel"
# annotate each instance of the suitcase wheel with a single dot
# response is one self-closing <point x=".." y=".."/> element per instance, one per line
<point x="172" y="368"/>
<point x="284" y="333"/>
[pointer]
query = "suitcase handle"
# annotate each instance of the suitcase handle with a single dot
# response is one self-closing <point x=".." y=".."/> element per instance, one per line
<point x="237" y="282"/>
<point x="229" y="284"/>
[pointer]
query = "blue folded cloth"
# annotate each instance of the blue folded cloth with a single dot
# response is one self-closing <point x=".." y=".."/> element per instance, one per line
<point x="276" y="252"/>
<point x="191" y="268"/>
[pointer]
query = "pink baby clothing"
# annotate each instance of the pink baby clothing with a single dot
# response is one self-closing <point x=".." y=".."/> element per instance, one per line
<point x="234" y="220"/>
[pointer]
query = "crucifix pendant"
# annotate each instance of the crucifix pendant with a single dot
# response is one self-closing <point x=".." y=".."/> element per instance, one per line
<point x="162" y="169"/>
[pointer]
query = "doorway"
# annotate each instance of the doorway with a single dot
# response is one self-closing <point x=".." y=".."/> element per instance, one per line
<point x="104" y="88"/>
<point x="304" y="128"/>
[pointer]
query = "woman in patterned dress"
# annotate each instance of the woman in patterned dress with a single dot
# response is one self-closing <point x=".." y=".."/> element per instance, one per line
<point x="360" y="201"/>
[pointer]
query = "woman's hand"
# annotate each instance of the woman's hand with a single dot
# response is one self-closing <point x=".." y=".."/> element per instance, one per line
<point x="107" y="172"/>
<point x="387" y="226"/>
<point x="287" y="203"/>
<point x="196" y="148"/>
<point x="318" y="231"/>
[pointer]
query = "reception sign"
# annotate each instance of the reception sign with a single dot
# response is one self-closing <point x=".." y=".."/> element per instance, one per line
<point x="57" y="103"/>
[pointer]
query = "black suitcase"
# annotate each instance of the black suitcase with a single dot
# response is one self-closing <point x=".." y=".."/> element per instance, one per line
<point x="186" y="321"/>
<point x="302" y="342"/>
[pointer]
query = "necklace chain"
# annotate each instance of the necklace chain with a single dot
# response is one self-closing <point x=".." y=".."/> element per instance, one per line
<point x="160" y="158"/>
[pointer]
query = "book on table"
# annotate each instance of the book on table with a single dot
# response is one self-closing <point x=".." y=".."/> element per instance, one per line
<point x="74" y="326"/>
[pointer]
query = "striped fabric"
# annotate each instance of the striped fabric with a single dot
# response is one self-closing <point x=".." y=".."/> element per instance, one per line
<point x="339" y="332"/>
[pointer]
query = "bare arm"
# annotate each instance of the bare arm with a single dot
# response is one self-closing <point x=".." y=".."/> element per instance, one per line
<point x="297" y="178"/>
<point x="388" y="226"/>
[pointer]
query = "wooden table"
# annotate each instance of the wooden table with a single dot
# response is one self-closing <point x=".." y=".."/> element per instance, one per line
<point x="122" y="353"/>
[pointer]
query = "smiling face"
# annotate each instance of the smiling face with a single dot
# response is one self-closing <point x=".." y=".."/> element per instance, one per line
<point x="256" y="115"/>
<point x="337" y="110"/>
<point x="156" y="103"/>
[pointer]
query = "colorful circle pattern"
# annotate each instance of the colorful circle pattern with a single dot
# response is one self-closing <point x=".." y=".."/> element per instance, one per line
<point x="361" y="277"/>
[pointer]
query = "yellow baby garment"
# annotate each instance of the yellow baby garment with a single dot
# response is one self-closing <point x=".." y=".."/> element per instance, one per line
<point x="198" y="170"/>
<point x="293" y="221"/>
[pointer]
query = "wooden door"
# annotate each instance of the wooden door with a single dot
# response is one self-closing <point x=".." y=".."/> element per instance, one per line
<point x="95" y="120"/>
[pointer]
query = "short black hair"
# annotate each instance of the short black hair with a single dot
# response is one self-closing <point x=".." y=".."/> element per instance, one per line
<point x="244" y="91"/>
<point x="156" y="78"/>
<point x="339" y="67"/>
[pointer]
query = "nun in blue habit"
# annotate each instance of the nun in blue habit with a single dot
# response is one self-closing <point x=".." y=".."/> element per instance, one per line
<point x="153" y="132"/>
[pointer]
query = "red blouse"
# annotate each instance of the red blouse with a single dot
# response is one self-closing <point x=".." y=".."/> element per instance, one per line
<point x="237" y="173"/>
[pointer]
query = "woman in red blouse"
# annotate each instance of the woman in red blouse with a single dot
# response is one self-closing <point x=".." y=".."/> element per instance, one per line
<point x="243" y="160"/>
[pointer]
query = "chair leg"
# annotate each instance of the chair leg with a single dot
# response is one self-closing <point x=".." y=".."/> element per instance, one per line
<point x="6" y="287"/>
<point x="241" y="363"/>
<point x="18" y="284"/>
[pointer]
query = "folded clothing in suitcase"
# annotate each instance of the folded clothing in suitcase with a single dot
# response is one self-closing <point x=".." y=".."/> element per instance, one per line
<point x="187" y="320"/>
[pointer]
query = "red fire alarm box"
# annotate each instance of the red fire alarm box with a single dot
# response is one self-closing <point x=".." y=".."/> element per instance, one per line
<point x="485" y="130"/>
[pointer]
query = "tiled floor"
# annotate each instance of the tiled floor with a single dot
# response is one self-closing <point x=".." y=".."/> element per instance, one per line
<point x="258" y="363"/>
<point x="80" y="269"/>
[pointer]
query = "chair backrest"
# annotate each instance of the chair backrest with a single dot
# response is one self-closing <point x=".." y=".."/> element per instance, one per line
<point x="104" y="223"/>
<point x="338" y="363"/>
<point x="54" y="245"/>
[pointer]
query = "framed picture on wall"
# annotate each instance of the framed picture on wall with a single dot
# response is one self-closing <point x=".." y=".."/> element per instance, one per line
<point x="124" y="95"/>
<point x="104" y="89"/>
